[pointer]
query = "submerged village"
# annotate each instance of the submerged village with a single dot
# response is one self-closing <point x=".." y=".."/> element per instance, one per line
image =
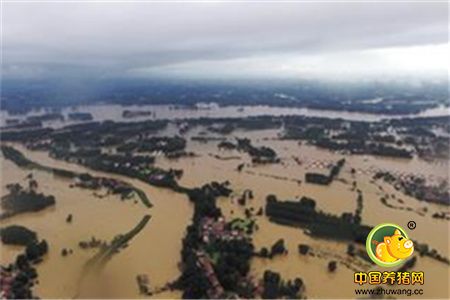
<point x="237" y="207"/>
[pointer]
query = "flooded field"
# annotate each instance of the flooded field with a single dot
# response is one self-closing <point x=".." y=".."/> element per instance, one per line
<point x="156" y="250"/>
<point x="336" y="198"/>
<point x="226" y="150"/>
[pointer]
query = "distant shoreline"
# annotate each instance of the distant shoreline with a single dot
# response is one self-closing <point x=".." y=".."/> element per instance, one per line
<point x="115" y="112"/>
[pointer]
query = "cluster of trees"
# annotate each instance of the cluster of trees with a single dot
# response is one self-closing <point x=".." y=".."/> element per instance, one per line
<point x="232" y="257"/>
<point x="15" y="156"/>
<point x="233" y="263"/>
<point x="261" y="154"/>
<point x="20" y="200"/>
<point x="441" y="215"/>
<point x="278" y="248"/>
<point x="381" y="149"/>
<point x="226" y="145"/>
<point x="359" y="207"/>
<point x="115" y="186"/>
<point x="98" y="134"/>
<point x="417" y="187"/>
<point x="425" y="250"/>
<point x="206" y="139"/>
<point x="384" y="138"/>
<point x="317" y="178"/>
<point x="89" y="138"/>
<point x="34" y="121"/>
<point x="46" y="117"/>
<point x="245" y="145"/>
<point x="317" y="223"/>
<point x="20" y="160"/>
<point x="18" y="278"/>
<point x="134" y="166"/>
<point x="136" y="113"/>
<point x="276" y="288"/>
<point x="250" y="123"/>
<point x="24" y="125"/>
<point x="227" y="125"/>
<point x="79" y="116"/>
<point x="394" y="138"/>
<point x="114" y="159"/>
<point x="17" y="235"/>
<point x="303" y="249"/>
<point x="164" y="144"/>
<point x="363" y="147"/>
<point x="222" y="128"/>
<point x="325" y="179"/>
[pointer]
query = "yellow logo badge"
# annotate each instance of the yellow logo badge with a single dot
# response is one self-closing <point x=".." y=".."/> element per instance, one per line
<point x="388" y="245"/>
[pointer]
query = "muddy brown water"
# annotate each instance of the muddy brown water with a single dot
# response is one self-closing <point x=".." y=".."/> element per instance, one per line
<point x="156" y="249"/>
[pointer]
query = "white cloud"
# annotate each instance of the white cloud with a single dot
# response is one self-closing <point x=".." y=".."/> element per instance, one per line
<point x="430" y="60"/>
<point x="223" y="38"/>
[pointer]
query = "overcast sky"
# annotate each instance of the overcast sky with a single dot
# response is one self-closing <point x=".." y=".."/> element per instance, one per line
<point x="224" y="39"/>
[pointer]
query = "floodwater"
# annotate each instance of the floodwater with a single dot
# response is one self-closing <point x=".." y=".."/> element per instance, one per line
<point x="156" y="249"/>
<point x="103" y="112"/>
<point x="336" y="199"/>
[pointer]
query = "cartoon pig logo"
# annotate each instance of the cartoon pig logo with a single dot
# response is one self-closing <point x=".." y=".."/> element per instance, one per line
<point x="388" y="245"/>
<point x="394" y="247"/>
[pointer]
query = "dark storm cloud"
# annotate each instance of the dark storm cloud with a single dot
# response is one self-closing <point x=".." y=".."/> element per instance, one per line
<point x="118" y="37"/>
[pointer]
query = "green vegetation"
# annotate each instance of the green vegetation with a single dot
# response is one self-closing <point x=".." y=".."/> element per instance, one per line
<point x="303" y="214"/>
<point x="216" y="254"/>
<point x="19" y="159"/>
<point x="17" y="235"/>
<point x="143" y="196"/>
<point x="221" y="273"/>
<point x="325" y="179"/>
<point x="406" y="138"/>
<point x="417" y="187"/>
<point x="276" y="288"/>
<point x="258" y="154"/>
<point x="80" y="116"/>
<point x="134" y="166"/>
<point x="278" y="248"/>
<point x="19" y="277"/>
<point x="20" y="200"/>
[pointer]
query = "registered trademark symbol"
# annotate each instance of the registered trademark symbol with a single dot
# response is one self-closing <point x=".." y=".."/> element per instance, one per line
<point x="411" y="225"/>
